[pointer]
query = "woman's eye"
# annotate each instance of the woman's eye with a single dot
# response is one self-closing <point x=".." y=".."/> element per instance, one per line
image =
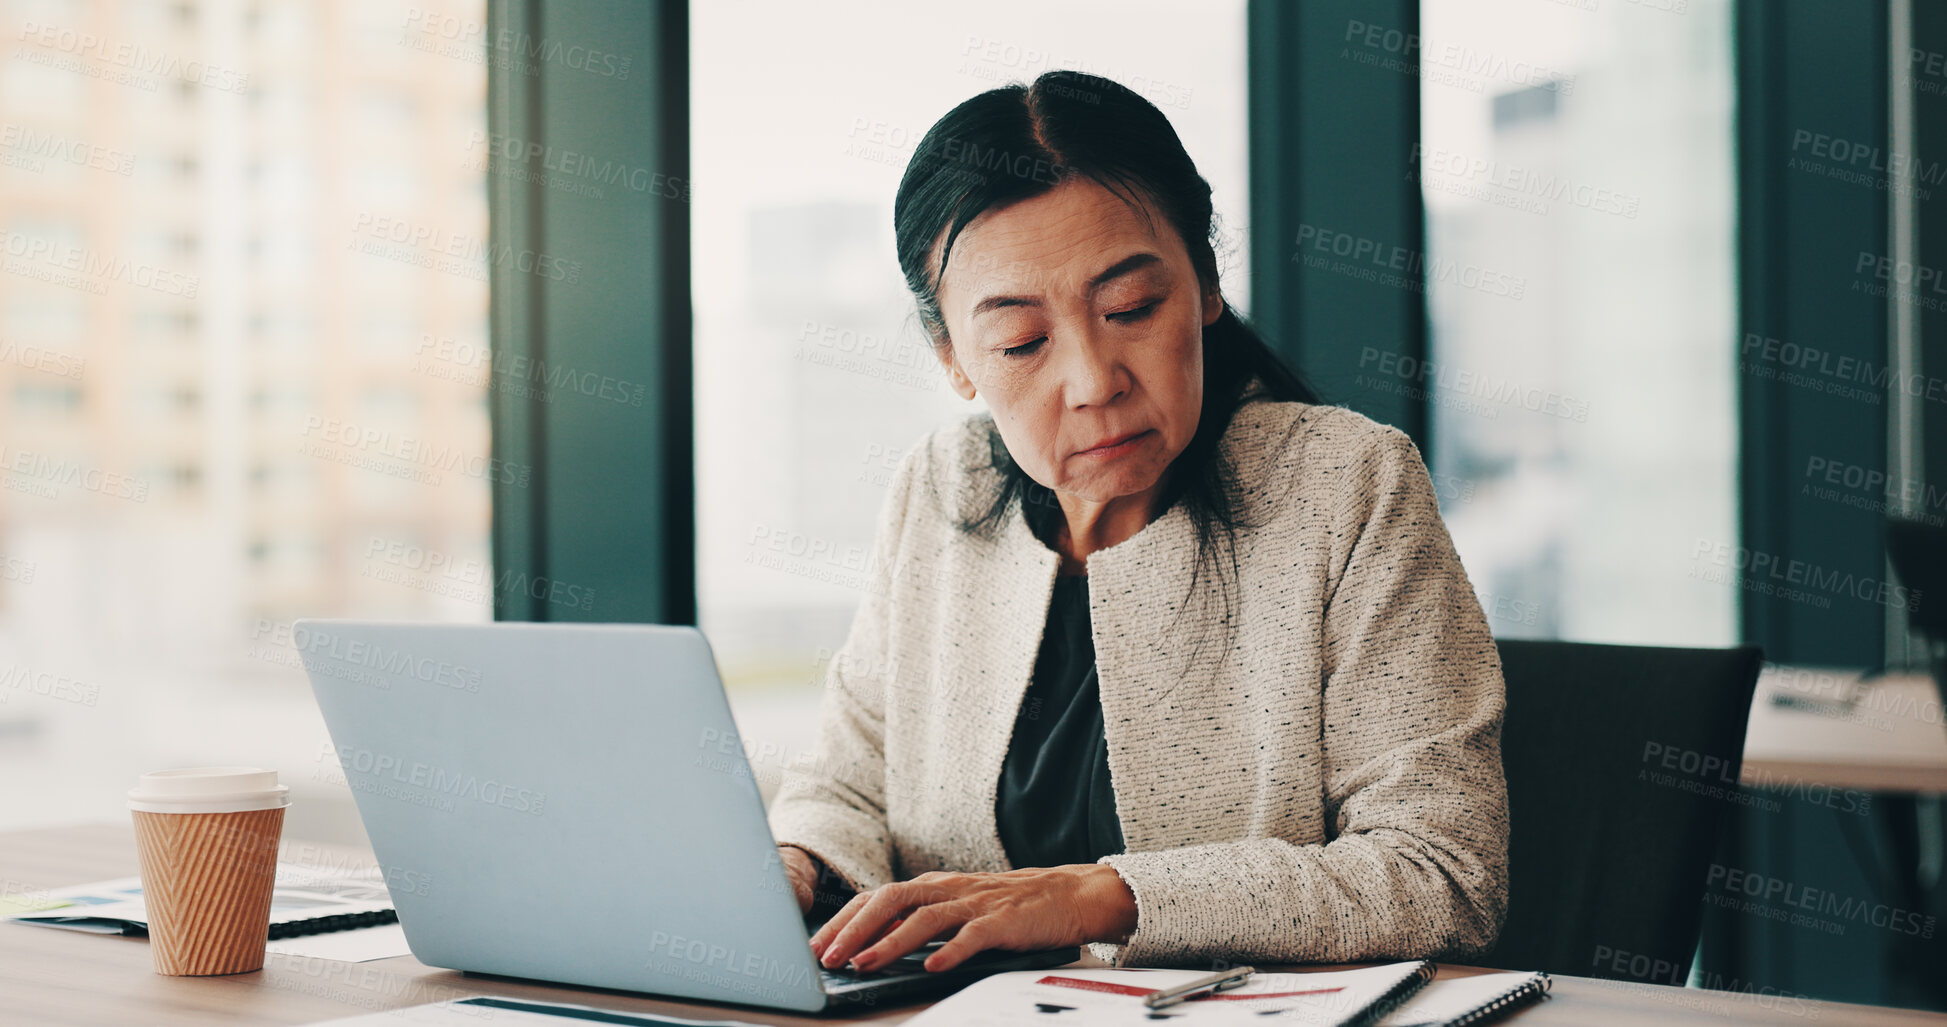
<point x="1126" y="316"/>
<point x="1025" y="348"/>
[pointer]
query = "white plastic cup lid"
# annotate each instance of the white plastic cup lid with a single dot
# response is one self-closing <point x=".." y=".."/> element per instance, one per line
<point x="208" y="790"/>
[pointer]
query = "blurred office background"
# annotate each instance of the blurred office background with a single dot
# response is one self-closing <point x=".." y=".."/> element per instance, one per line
<point x="229" y="396"/>
<point x="251" y="290"/>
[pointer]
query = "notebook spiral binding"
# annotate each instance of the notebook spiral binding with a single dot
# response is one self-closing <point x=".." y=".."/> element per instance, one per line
<point x="1528" y="992"/>
<point x="1397" y="994"/>
<point x="338" y="922"/>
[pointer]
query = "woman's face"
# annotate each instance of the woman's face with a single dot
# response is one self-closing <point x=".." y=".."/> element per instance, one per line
<point x="1081" y="322"/>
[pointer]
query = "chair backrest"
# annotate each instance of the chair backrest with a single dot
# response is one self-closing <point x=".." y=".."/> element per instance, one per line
<point x="1622" y="763"/>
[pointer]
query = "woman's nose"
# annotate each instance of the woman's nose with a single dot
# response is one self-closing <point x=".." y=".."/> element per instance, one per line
<point x="1095" y="375"/>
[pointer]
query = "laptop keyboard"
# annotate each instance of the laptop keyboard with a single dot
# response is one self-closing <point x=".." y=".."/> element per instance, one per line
<point x="911" y="962"/>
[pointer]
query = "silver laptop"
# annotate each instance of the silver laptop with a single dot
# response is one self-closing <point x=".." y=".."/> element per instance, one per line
<point x="572" y="803"/>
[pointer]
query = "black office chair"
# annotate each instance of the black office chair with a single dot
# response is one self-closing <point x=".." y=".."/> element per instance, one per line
<point x="1918" y="550"/>
<point x="1610" y="752"/>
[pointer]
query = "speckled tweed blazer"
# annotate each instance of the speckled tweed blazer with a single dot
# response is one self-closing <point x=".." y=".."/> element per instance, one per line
<point x="1320" y="782"/>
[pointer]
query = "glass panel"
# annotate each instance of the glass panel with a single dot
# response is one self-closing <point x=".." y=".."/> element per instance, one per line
<point x="1576" y="161"/>
<point x="812" y="376"/>
<point x="228" y="390"/>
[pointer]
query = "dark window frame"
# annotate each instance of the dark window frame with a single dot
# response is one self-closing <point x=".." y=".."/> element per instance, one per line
<point x="593" y="470"/>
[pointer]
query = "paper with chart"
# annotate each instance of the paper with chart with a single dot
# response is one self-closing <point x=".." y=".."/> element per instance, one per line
<point x="1097" y="997"/>
<point x="301" y="893"/>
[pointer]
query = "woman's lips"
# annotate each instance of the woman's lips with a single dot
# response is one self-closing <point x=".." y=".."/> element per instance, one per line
<point x="1117" y="449"/>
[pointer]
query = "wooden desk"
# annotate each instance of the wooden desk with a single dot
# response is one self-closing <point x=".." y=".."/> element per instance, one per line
<point x="62" y="977"/>
<point x="1890" y="738"/>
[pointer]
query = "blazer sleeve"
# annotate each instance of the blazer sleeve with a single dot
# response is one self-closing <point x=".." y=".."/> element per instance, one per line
<point x="1415" y="864"/>
<point x="833" y="804"/>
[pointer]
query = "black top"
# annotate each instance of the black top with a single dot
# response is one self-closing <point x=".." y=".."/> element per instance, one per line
<point x="1054" y="804"/>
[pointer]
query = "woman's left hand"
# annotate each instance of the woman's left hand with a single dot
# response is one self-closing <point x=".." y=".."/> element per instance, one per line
<point x="1018" y="910"/>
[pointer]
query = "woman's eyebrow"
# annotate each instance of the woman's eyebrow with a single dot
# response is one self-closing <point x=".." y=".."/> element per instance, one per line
<point x="1127" y="265"/>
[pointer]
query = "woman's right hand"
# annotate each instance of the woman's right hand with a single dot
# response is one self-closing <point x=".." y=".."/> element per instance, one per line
<point x="803" y="872"/>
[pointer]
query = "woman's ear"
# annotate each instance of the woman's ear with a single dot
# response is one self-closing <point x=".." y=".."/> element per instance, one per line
<point x="954" y="375"/>
<point x="1213" y="304"/>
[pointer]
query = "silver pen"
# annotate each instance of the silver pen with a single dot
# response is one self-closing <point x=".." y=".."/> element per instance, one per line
<point x="1216" y="982"/>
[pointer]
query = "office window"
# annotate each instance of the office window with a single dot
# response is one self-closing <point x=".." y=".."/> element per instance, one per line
<point x="812" y="376"/>
<point x="47" y="398"/>
<point x="1576" y="164"/>
<point x="58" y="321"/>
<point x="210" y="422"/>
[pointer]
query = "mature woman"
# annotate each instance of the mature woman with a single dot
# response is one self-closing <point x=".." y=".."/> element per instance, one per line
<point x="1162" y="655"/>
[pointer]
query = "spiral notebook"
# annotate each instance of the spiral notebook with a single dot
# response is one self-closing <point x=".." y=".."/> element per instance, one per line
<point x="1107" y="997"/>
<point x="1466" y="1001"/>
<point x="304" y="901"/>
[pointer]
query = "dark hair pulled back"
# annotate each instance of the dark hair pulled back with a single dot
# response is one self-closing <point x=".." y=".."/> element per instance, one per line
<point x="1020" y="141"/>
